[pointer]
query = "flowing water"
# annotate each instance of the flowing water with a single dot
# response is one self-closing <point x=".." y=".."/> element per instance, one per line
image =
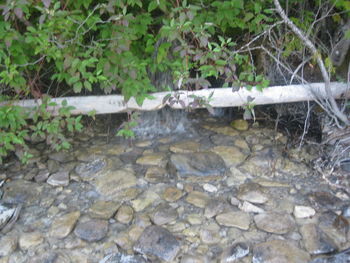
<point x="199" y="191"/>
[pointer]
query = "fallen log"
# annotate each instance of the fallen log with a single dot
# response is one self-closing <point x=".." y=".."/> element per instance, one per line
<point x="221" y="97"/>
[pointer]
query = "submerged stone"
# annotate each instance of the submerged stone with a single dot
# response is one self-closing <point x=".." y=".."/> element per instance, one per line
<point x="274" y="222"/>
<point x="159" y="242"/>
<point x="240" y="125"/>
<point x="197" y="164"/>
<point x="122" y="258"/>
<point x="91" y="231"/>
<point x="233" y="253"/>
<point x="341" y="257"/>
<point x="279" y="251"/>
<point x="231" y="155"/>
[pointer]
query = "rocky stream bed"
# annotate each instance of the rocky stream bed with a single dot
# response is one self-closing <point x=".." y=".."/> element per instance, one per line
<point x="219" y="195"/>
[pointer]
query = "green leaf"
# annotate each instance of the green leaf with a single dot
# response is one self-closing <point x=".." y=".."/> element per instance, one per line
<point x="77" y="87"/>
<point x="87" y="85"/>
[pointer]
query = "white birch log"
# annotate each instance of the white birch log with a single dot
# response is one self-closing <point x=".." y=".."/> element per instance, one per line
<point x="222" y="97"/>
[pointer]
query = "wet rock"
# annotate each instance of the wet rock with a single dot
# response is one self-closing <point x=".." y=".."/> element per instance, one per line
<point x="194" y="259"/>
<point x="225" y="130"/>
<point x="145" y="200"/>
<point x="156" y="175"/>
<point x="252" y="193"/>
<point x="9" y="214"/>
<point x="316" y="242"/>
<point x="197" y="164"/>
<point x="122" y="258"/>
<point x="53" y="166"/>
<point x="346" y="211"/>
<point x="87" y="171"/>
<point x="279" y="251"/>
<point x="219" y="139"/>
<point x="185" y="147"/>
<point x="30" y="240"/>
<point x="62" y="226"/>
<point x="48" y="257"/>
<point x="234" y="252"/>
<point x="240" y="125"/>
<point x="237" y="219"/>
<point x="341" y="257"/>
<point x="250" y="208"/>
<point x="21" y="191"/>
<point x="156" y="159"/>
<point x="42" y="176"/>
<point x="159" y="242"/>
<point x="324" y="200"/>
<point x="92" y="230"/>
<point x="111" y="182"/>
<point x="164" y="214"/>
<point x="103" y="209"/>
<point x="195" y="219"/>
<point x="210" y="234"/>
<point x="335" y="226"/>
<point x="59" y="179"/>
<point x="172" y="194"/>
<point x="274" y="222"/>
<point x="232" y="156"/>
<point x="215" y="207"/>
<point x="125" y="214"/>
<point x="303" y="211"/>
<point x="198" y="199"/>
<point x="8" y="244"/>
<point x="61" y="156"/>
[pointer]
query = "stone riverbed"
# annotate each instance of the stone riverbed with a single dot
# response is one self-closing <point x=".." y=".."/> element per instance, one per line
<point x="221" y="195"/>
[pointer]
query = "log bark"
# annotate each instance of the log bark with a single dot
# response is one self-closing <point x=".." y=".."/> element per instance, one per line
<point x="222" y="97"/>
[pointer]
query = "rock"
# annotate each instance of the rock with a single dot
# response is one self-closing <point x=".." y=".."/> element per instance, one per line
<point x="30" y="240"/>
<point x="240" y="125"/>
<point x="63" y="225"/>
<point x="316" y="242"/>
<point x="250" y="208"/>
<point x="341" y="257"/>
<point x="324" y="200"/>
<point x="87" y="171"/>
<point x="234" y="252"/>
<point x="194" y="259"/>
<point x="335" y="226"/>
<point x="164" y="214"/>
<point x="61" y="156"/>
<point x="59" y="179"/>
<point x="21" y="191"/>
<point x="122" y="258"/>
<point x="53" y="166"/>
<point x="197" y="164"/>
<point x="198" y="199"/>
<point x="125" y="214"/>
<point x="9" y="214"/>
<point x="225" y="130"/>
<point x="144" y="201"/>
<point x="279" y="251"/>
<point x="237" y="219"/>
<point x="210" y="188"/>
<point x="194" y="219"/>
<point x="303" y="211"/>
<point x="92" y="230"/>
<point x="112" y="182"/>
<point x="185" y="147"/>
<point x="47" y="257"/>
<point x="42" y="176"/>
<point x="156" y="159"/>
<point x="274" y="222"/>
<point x="231" y="155"/>
<point x="159" y="242"/>
<point x="210" y="234"/>
<point x="8" y="244"/>
<point x="103" y="209"/>
<point x="172" y="194"/>
<point x="156" y="174"/>
<point x="214" y="207"/>
<point x="252" y="193"/>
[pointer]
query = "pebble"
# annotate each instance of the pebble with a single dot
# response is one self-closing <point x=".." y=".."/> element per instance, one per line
<point x="303" y="211"/>
<point x="274" y="222"/>
<point x="103" y="209"/>
<point x="63" y="225"/>
<point x="8" y="244"/>
<point x="210" y="188"/>
<point x="59" y="179"/>
<point x="250" y="208"/>
<point x="234" y="252"/>
<point x="30" y="240"/>
<point x="237" y="219"/>
<point x="125" y="214"/>
<point x="198" y="199"/>
<point x="172" y="194"/>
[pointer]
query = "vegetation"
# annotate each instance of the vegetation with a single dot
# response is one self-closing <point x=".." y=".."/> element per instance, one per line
<point x="55" y="48"/>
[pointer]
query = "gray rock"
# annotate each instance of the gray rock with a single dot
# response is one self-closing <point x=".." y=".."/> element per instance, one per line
<point x="159" y="242"/>
<point x="215" y="207"/>
<point x="279" y="251"/>
<point x="341" y="257"/>
<point x="59" y="179"/>
<point x="122" y="258"/>
<point x="21" y="191"/>
<point x="53" y="166"/>
<point x="91" y="231"/>
<point x="234" y="252"/>
<point x="42" y="176"/>
<point x="197" y="164"/>
<point x="237" y="219"/>
<point x="164" y="214"/>
<point x="335" y="226"/>
<point x="8" y="244"/>
<point x="316" y="241"/>
<point x="274" y="222"/>
<point x="324" y="200"/>
<point x="253" y="193"/>
<point x="86" y="171"/>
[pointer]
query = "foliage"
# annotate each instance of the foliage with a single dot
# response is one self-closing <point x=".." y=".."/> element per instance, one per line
<point x="16" y="130"/>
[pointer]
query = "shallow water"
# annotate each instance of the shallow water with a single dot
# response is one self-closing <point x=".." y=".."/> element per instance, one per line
<point x="208" y="194"/>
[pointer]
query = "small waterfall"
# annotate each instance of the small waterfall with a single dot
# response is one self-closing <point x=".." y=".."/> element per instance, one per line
<point x="162" y="122"/>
